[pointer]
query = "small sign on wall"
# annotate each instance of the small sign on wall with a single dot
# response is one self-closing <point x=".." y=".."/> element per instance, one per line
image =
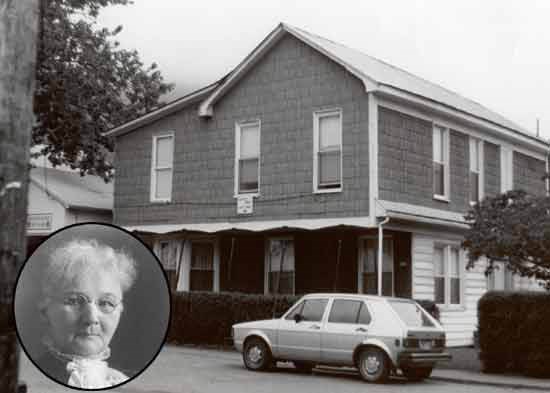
<point x="245" y="204"/>
<point x="39" y="222"/>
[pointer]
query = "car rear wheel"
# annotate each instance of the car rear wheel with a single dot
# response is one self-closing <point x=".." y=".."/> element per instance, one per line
<point x="417" y="373"/>
<point x="303" y="367"/>
<point x="256" y="354"/>
<point x="373" y="365"/>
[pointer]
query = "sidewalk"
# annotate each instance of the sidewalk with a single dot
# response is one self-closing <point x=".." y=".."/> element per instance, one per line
<point x="498" y="380"/>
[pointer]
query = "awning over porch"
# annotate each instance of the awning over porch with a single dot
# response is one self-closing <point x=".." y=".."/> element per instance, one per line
<point x="255" y="226"/>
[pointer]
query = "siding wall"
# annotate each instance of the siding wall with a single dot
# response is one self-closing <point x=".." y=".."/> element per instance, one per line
<point x="282" y="91"/>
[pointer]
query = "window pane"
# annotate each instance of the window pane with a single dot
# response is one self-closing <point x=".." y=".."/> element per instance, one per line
<point x="313" y="309"/>
<point x="474" y="186"/>
<point x="364" y="315"/>
<point x="329" y="131"/>
<point x="248" y="173"/>
<point x="329" y="168"/>
<point x="277" y="248"/>
<point x="439" y="290"/>
<point x="164" y="183"/>
<point x="164" y="152"/>
<point x="439" y="179"/>
<point x="410" y="313"/>
<point x="344" y="311"/>
<point x="438" y="144"/>
<point x="250" y="141"/>
<point x="370" y="283"/>
<point x="201" y="280"/>
<point x="439" y="261"/>
<point x="202" y="256"/>
<point x="281" y="283"/>
<point x="474" y="155"/>
<point x="455" y="263"/>
<point x="455" y="291"/>
<point x="296" y="310"/>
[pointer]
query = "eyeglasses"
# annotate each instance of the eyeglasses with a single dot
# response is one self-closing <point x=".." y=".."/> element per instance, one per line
<point x="106" y="304"/>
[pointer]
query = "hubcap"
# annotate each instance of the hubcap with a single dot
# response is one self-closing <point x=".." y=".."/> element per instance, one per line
<point x="372" y="364"/>
<point x="255" y="354"/>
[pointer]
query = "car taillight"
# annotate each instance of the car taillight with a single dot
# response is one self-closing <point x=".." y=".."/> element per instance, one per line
<point x="410" y="342"/>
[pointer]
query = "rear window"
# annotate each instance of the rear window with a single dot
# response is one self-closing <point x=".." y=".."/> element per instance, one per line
<point x="411" y="313"/>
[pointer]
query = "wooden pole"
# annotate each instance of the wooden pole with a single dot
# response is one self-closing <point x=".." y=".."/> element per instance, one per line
<point x="18" y="36"/>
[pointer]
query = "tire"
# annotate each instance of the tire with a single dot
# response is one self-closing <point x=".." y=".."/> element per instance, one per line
<point x="417" y="374"/>
<point x="374" y="365"/>
<point x="303" y="367"/>
<point x="256" y="354"/>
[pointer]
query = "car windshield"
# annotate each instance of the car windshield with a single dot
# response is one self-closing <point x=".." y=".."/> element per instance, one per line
<point x="411" y="313"/>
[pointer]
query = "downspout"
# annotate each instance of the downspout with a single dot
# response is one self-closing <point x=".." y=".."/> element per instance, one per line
<point x="380" y="245"/>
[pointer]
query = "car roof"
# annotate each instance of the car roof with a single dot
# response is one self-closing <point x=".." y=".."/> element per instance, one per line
<point x="356" y="296"/>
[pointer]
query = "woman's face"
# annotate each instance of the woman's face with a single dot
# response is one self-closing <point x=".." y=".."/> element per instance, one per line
<point x="83" y="317"/>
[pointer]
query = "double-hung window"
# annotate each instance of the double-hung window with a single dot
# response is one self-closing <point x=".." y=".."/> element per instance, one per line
<point x="476" y="170"/>
<point x="201" y="275"/>
<point x="247" y="158"/>
<point x="161" y="168"/>
<point x="441" y="182"/>
<point x="447" y="275"/>
<point x="327" y="155"/>
<point x="280" y="266"/>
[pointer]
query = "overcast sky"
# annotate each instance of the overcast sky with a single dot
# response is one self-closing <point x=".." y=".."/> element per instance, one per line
<point x="494" y="52"/>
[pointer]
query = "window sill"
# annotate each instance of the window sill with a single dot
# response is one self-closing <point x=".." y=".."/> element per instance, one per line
<point x="252" y="194"/>
<point x="441" y="198"/>
<point x="161" y="201"/>
<point x="327" y="190"/>
<point x="451" y="307"/>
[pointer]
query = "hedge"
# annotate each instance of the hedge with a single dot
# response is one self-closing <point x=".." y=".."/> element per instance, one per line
<point x="514" y="332"/>
<point x="207" y="317"/>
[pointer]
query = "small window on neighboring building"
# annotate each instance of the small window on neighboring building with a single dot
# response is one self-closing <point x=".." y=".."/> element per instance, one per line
<point x="327" y="159"/>
<point x="447" y="275"/>
<point x="161" y="168"/>
<point x="476" y="170"/>
<point x="247" y="165"/>
<point x="441" y="183"/>
<point x="202" y="266"/>
<point x="280" y="266"/>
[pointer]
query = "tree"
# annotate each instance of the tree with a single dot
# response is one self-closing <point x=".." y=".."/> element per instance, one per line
<point x="18" y="31"/>
<point x="86" y="85"/>
<point x="513" y="228"/>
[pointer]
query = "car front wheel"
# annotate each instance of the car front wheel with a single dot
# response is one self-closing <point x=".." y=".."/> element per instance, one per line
<point x="417" y="373"/>
<point x="256" y="354"/>
<point x="373" y="365"/>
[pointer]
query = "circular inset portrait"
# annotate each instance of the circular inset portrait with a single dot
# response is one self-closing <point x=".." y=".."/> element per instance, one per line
<point x="92" y="306"/>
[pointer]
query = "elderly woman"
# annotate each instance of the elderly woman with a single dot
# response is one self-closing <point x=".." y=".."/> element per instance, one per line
<point x="82" y="303"/>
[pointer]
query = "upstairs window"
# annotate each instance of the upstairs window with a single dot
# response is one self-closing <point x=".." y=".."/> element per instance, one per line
<point x="476" y="170"/>
<point x="441" y="183"/>
<point x="447" y="275"/>
<point x="327" y="158"/>
<point x="247" y="165"/>
<point x="161" y="168"/>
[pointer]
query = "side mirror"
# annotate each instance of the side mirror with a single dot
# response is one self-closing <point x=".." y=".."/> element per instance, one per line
<point x="298" y="318"/>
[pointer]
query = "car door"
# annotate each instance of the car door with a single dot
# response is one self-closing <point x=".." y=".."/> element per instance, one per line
<point x="302" y="340"/>
<point x="346" y="327"/>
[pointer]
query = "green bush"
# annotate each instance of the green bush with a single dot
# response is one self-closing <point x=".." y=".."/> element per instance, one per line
<point x="207" y="317"/>
<point x="514" y="332"/>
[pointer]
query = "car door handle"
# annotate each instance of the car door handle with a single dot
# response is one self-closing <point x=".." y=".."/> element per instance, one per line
<point x="361" y="329"/>
<point x="316" y="327"/>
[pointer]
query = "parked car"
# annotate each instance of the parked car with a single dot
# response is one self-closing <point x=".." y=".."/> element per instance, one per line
<point x="378" y="335"/>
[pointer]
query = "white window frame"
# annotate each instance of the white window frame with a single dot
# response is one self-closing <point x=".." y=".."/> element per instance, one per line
<point x="267" y="260"/>
<point x="445" y="135"/>
<point x="447" y="247"/>
<point x="154" y="168"/>
<point x="238" y="129"/>
<point x="215" y="261"/>
<point x="506" y="168"/>
<point x="481" y="170"/>
<point x="317" y="115"/>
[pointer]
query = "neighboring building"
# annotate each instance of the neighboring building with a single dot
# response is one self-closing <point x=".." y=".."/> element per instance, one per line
<point x="58" y="198"/>
<point x="278" y="177"/>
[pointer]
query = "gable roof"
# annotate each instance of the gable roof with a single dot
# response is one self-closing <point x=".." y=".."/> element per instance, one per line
<point x="72" y="190"/>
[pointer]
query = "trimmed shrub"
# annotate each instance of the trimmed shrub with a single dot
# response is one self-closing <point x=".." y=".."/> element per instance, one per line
<point x="514" y="332"/>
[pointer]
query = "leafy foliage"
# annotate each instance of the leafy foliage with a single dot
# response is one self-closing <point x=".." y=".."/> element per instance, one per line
<point x="86" y="85"/>
<point x="514" y="228"/>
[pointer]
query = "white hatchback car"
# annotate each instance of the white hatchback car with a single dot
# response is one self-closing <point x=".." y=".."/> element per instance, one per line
<point x="378" y="335"/>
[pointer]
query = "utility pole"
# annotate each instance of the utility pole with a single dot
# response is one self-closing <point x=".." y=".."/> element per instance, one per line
<point x="18" y="36"/>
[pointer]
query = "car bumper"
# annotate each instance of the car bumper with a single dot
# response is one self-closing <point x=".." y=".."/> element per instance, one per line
<point x="419" y="358"/>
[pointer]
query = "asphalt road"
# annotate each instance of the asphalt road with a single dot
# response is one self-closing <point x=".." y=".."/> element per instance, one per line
<point x="190" y="370"/>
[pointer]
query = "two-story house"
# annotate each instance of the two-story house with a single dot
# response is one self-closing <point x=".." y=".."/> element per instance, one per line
<point x="315" y="167"/>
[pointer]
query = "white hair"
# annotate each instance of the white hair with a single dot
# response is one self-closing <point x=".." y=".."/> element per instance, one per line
<point x="80" y="256"/>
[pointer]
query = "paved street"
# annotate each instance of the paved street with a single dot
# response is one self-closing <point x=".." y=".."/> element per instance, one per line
<point x="187" y="370"/>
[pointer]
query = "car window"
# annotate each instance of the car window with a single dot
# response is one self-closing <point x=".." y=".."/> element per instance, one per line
<point x="297" y="309"/>
<point x="344" y="311"/>
<point x="364" y="315"/>
<point x="411" y="313"/>
<point x="313" y="309"/>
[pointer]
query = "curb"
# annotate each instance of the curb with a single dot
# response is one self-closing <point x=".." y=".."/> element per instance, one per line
<point x="494" y="384"/>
